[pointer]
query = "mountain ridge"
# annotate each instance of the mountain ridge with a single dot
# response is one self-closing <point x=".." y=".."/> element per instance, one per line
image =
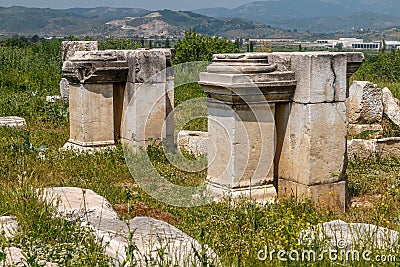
<point x="288" y="14"/>
<point x="120" y="22"/>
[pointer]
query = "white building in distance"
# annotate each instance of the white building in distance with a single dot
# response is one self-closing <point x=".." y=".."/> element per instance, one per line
<point x="357" y="44"/>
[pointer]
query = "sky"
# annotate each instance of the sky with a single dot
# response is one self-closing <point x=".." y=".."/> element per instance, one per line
<point x="147" y="4"/>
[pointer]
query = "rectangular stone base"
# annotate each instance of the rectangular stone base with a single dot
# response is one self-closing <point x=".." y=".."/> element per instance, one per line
<point x="333" y="195"/>
<point x="262" y="194"/>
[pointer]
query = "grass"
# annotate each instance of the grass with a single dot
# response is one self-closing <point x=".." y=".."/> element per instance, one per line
<point x="236" y="231"/>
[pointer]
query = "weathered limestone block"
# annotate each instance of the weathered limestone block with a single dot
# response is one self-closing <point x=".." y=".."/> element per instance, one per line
<point x="69" y="48"/>
<point x="314" y="148"/>
<point x="243" y="90"/>
<point x="361" y="148"/>
<point x="148" y="234"/>
<point x="321" y="77"/>
<point x="391" y="106"/>
<point x="364" y="104"/>
<point x="148" y="97"/>
<point x="194" y="142"/>
<point x="244" y="147"/>
<point x="12" y="121"/>
<point x="389" y="147"/>
<point x="385" y="147"/>
<point x="94" y="79"/>
<point x="146" y="118"/>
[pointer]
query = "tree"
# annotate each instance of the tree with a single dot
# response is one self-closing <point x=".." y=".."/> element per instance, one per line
<point x="383" y="46"/>
<point x="197" y="47"/>
<point x="339" y="46"/>
<point x="251" y="46"/>
<point x="167" y="43"/>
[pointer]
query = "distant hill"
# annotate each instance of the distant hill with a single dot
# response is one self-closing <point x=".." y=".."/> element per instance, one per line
<point x="356" y="22"/>
<point x="122" y="22"/>
<point x="315" y="15"/>
<point x="45" y="21"/>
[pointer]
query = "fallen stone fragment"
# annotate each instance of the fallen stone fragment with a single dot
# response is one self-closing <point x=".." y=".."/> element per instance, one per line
<point x="148" y="236"/>
<point x="12" y="121"/>
<point x="342" y="235"/>
<point x="14" y="257"/>
<point x="391" y="106"/>
<point x="53" y="98"/>
<point x="8" y="226"/>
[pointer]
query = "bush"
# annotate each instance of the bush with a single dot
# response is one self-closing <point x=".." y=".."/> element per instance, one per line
<point x="197" y="47"/>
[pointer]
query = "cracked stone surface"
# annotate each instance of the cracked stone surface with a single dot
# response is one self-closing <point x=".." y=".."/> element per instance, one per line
<point x="150" y="236"/>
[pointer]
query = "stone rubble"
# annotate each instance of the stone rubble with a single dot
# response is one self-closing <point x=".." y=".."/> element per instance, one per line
<point x="150" y="236"/>
<point x="350" y="235"/>
<point x="364" y="104"/>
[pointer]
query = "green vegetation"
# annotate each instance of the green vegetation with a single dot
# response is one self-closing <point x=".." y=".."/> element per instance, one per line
<point x="197" y="47"/>
<point x="31" y="159"/>
<point x="382" y="69"/>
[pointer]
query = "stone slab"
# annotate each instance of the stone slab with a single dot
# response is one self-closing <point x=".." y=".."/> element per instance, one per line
<point x="265" y="194"/>
<point x="149" y="235"/>
<point x="53" y="98"/>
<point x="12" y="121"/>
<point x="386" y="147"/>
<point x="314" y="146"/>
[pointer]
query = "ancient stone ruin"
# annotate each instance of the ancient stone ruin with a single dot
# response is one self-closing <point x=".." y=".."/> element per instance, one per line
<point x="300" y="146"/>
<point x="277" y="121"/>
<point x="101" y="86"/>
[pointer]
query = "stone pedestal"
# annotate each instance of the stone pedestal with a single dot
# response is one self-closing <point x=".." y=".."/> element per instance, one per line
<point x="242" y="92"/>
<point x="93" y="76"/>
<point x="313" y="160"/>
<point x="148" y="98"/>
<point x="119" y="95"/>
